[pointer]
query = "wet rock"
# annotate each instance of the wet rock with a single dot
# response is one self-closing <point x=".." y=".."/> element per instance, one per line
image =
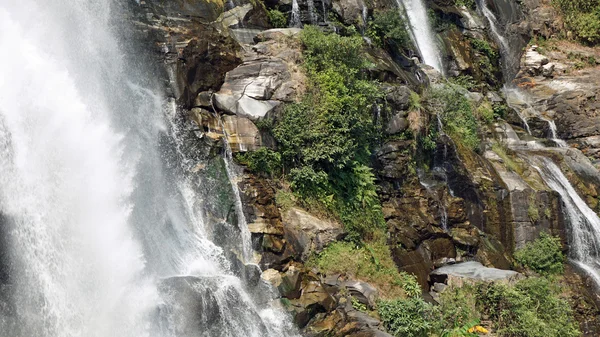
<point x="534" y="62"/>
<point x="397" y="124"/>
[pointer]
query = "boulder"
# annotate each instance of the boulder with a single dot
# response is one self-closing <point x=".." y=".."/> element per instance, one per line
<point x="308" y="233"/>
<point x="397" y="124"/>
<point x="363" y="292"/>
<point x="456" y="274"/>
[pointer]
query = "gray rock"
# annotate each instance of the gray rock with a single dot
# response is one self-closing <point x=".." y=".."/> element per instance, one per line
<point x="363" y="292"/>
<point x="476" y="271"/>
<point x="397" y="124"/>
<point x="309" y="234"/>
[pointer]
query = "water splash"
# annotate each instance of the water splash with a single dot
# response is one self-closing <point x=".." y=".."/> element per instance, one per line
<point x="295" y="20"/>
<point x="419" y="26"/>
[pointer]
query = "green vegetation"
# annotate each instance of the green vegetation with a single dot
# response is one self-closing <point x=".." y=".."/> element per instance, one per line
<point x="487" y="60"/>
<point x="467" y="3"/>
<point x="456" y="113"/>
<point x="263" y="161"/>
<point x="412" y="317"/>
<point x="387" y="29"/>
<point x="508" y="157"/>
<point x="372" y="263"/>
<point x="543" y="255"/>
<point x="277" y="19"/>
<point x="582" y="17"/>
<point x="532" y="307"/>
<point x="326" y="140"/>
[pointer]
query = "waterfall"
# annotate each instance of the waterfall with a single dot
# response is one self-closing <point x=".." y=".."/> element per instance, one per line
<point x="106" y="234"/>
<point x="419" y="26"/>
<point x="311" y="12"/>
<point x="559" y="142"/>
<point x="584" y="223"/>
<point x="295" y="20"/>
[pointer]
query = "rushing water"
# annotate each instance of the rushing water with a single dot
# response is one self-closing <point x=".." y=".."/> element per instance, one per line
<point x="105" y="235"/>
<point x="295" y="20"/>
<point x="584" y="223"/>
<point x="421" y="32"/>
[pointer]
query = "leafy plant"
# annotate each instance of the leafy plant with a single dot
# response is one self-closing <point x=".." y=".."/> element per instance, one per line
<point x="456" y="113"/>
<point x="263" y="160"/>
<point x="277" y="19"/>
<point x="543" y="255"/>
<point x="411" y="317"/>
<point x="326" y="140"/>
<point x="387" y="29"/>
<point x="583" y="18"/>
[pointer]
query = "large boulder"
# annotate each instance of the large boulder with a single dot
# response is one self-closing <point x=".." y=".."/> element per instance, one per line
<point x="309" y="234"/>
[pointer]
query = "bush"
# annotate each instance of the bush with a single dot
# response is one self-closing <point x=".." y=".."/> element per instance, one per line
<point x="411" y="317"/>
<point x="531" y="308"/>
<point x="456" y="113"/>
<point x="389" y="30"/>
<point x="326" y="140"/>
<point x="543" y="255"/>
<point x="263" y="160"/>
<point x="277" y="19"/>
<point x="583" y="18"/>
<point x="371" y="262"/>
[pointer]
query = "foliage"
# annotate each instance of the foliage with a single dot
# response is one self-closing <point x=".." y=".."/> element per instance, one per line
<point x="326" y="140"/>
<point x="277" y="19"/>
<point x="388" y="29"/>
<point x="467" y="3"/>
<point x="411" y="317"/>
<point x="543" y="255"/>
<point x="485" y="112"/>
<point x="284" y="200"/>
<point x="531" y="308"/>
<point x="371" y="262"/>
<point x="583" y="18"/>
<point x="485" y="48"/>
<point x="456" y="113"/>
<point x="263" y="160"/>
<point x="465" y="81"/>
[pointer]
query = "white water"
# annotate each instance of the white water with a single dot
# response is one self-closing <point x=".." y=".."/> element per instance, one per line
<point x="420" y="28"/>
<point x="94" y="184"/>
<point x="559" y="142"/>
<point x="584" y="223"/>
<point x="295" y="20"/>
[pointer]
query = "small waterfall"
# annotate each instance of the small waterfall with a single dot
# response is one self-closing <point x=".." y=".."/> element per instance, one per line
<point x="234" y="178"/>
<point x="558" y="141"/>
<point x="295" y="20"/>
<point x="584" y="223"/>
<point x="418" y="24"/>
<point x="312" y="12"/>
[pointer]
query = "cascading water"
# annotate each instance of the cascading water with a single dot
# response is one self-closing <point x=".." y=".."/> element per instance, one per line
<point x="295" y="20"/>
<point x="584" y="223"/>
<point x="419" y="26"/>
<point x="311" y="12"/>
<point x="105" y="234"/>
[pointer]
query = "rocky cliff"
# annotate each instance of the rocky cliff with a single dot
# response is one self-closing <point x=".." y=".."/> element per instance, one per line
<point x="446" y="192"/>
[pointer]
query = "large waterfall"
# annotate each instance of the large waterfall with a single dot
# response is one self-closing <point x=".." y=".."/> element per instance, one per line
<point x="105" y="237"/>
<point x="421" y="32"/>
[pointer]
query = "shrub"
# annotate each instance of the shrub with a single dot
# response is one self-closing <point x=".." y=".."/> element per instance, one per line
<point x="326" y="140"/>
<point x="277" y="19"/>
<point x="411" y="317"/>
<point x="388" y="30"/>
<point x="543" y="255"/>
<point x="371" y="262"/>
<point x="456" y="113"/>
<point x="583" y="18"/>
<point x="531" y="308"/>
<point x="263" y="160"/>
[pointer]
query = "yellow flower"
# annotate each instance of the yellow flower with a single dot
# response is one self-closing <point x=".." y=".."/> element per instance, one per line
<point x="479" y="329"/>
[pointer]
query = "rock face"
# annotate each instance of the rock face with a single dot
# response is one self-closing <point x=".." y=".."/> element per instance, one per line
<point x="308" y="233"/>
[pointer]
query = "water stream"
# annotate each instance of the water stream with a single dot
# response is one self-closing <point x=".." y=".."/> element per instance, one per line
<point x="295" y="20"/>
